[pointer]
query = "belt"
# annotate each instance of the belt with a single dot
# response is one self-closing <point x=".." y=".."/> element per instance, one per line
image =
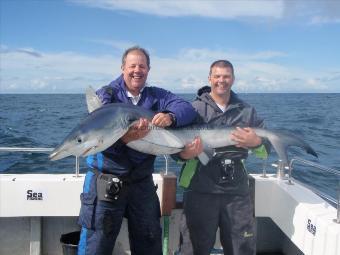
<point x="126" y="180"/>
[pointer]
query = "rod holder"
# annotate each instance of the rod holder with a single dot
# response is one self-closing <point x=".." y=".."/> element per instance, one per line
<point x="281" y="170"/>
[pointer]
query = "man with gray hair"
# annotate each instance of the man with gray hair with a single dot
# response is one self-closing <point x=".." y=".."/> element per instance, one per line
<point x="125" y="175"/>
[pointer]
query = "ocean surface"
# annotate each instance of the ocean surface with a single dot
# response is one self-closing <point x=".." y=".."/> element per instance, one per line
<point x="43" y="120"/>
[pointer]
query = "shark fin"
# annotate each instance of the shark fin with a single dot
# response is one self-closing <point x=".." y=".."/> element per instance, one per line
<point x="282" y="140"/>
<point x="92" y="100"/>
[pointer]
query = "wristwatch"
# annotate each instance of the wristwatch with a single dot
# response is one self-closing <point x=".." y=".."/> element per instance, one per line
<point x="173" y="118"/>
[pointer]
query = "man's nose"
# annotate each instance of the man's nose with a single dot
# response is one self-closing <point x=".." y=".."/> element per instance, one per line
<point x="137" y="68"/>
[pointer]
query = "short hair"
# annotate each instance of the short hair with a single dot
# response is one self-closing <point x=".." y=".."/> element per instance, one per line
<point x="222" y="63"/>
<point x="136" y="48"/>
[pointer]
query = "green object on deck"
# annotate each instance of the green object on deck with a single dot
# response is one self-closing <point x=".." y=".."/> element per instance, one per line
<point x="166" y="220"/>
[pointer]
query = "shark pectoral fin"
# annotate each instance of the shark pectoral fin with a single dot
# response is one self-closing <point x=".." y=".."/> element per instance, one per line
<point x="206" y="155"/>
<point x="203" y="158"/>
<point x="92" y="100"/>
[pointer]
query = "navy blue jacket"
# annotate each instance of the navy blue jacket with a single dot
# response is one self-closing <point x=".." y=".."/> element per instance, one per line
<point x="122" y="160"/>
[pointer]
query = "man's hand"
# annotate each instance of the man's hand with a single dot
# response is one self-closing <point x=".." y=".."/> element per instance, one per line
<point x="137" y="131"/>
<point x="192" y="149"/>
<point x="162" y="120"/>
<point x="245" y="138"/>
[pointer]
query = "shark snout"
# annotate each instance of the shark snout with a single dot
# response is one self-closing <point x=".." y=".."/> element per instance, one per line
<point x="59" y="153"/>
<point x="83" y="149"/>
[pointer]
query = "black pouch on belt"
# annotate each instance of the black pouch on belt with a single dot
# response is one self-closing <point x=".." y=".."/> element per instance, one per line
<point x="108" y="187"/>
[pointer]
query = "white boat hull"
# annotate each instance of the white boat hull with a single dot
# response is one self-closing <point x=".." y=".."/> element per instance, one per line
<point x="35" y="209"/>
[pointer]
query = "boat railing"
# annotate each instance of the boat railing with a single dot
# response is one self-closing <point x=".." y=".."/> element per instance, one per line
<point x="77" y="163"/>
<point x="281" y="171"/>
<point x="38" y="150"/>
<point x="281" y="174"/>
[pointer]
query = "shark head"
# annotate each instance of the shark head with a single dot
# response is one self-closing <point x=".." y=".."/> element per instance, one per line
<point x="97" y="132"/>
<point x="82" y="144"/>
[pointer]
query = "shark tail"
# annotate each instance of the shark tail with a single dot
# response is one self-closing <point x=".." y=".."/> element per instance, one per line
<point x="281" y="141"/>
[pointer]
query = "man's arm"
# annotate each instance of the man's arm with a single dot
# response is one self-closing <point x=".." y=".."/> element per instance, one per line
<point x="247" y="138"/>
<point x="137" y="131"/>
<point x="170" y="103"/>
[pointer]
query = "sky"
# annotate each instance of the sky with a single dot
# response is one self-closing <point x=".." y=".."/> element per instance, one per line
<point x="56" y="46"/>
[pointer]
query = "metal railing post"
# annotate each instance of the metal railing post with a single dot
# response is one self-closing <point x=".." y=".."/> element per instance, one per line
<point x="166" y="163"/>
<point x="337" y="220"/>
<point x="77" y="166"/>
<point x="264" y="168"/>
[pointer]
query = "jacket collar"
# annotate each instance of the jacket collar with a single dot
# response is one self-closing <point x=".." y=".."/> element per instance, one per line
<point x="147" y="98"/>
<point x="234" y="101"/>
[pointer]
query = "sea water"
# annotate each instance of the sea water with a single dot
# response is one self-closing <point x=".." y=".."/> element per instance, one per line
<point x="43" y="120"/>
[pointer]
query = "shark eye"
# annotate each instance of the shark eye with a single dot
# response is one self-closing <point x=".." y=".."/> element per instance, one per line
<point x="79" y="140"/>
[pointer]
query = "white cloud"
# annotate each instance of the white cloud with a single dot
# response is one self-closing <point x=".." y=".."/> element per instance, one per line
<point x="185" y="72"/>
<point x="320" y="20"/>
<point x="116" y="44"/>
<point x="312" y="11"/>
<point x="214" y="8"/>
<point x="65" y="71"/>
<point x="207" y="54"/>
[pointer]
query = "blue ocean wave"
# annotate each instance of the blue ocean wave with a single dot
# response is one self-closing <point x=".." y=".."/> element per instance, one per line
<point x="44" y="120"/>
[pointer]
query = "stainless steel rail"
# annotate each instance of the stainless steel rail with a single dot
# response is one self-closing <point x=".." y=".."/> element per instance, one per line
<point x="322" y="168"/>
<point x="36" y="150"/>
<point x="77" y="169"/>
<point x="280" y="174"/>
<point x="23" y="149"/>
<point x="166" y="164"/>
<point x="313" y="164"/>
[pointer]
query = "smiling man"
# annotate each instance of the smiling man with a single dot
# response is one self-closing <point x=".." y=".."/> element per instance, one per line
<point x="218" y="193"/>
<point x="119" y="183"/>
<point x="135" y="67"/>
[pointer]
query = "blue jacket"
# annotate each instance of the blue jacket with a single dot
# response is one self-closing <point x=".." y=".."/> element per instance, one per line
<point x="122" y="160"/>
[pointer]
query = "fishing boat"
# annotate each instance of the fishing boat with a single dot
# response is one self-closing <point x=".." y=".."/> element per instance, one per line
<point x="38" y="213"/>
